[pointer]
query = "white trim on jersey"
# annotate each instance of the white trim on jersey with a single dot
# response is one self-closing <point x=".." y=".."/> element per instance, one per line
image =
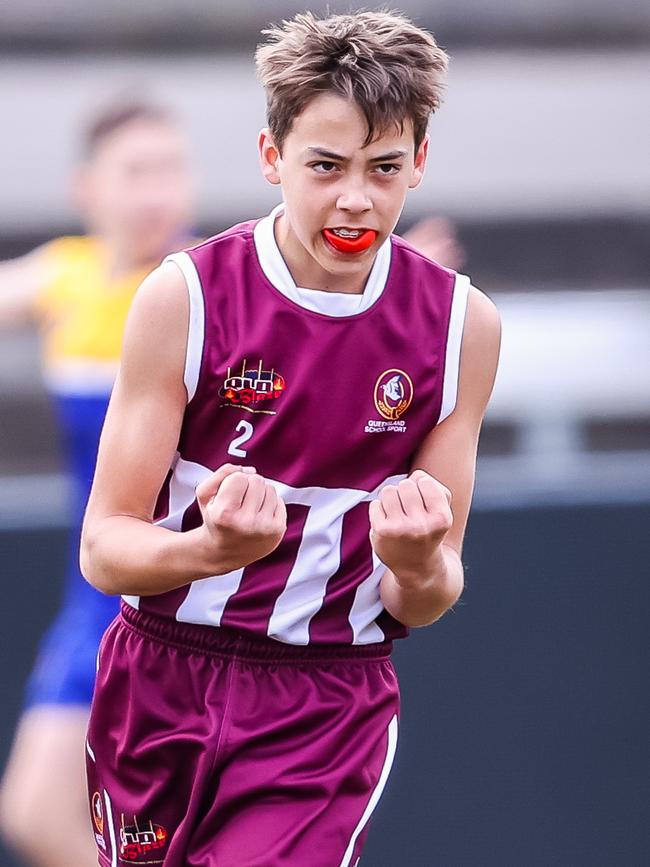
<point x="454" y="343"/>
<point x="133" y="601"/>
<point x="377" y="791"/>
<point x="329" y="303"/>
<point x="196" y="326"/>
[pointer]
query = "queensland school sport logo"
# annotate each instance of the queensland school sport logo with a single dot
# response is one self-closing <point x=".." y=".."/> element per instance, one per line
<point x="252" y="386"/>
<point x="393" y="395"/>
<point x="142" y="843"/>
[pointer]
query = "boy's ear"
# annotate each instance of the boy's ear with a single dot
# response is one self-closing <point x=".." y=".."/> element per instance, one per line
<point x="420" y="163"/>
<point x="269" y="156"/>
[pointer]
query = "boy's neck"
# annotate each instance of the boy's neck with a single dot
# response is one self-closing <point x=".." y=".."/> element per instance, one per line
<point x="306" y="272"/>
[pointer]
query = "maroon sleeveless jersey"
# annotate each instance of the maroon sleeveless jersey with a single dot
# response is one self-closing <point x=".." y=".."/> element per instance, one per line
<point x="328" y="395"/>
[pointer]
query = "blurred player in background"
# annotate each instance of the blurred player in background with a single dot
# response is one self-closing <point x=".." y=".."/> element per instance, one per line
<point x="134" y="190"/>
<point x="284" y="479"/>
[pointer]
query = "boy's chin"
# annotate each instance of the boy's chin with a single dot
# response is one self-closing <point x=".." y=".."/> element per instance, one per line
<point x="339" y="266"/>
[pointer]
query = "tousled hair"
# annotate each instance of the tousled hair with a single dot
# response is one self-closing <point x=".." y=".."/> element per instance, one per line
<point x="390" y="68"/>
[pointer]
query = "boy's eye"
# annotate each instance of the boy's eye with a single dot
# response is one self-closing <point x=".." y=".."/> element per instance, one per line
<point x="387" y="169"/>
<point x="325" y="167"/>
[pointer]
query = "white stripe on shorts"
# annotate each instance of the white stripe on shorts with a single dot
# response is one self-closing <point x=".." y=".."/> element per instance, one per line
<point x="111" y="828"/>
<point x="377" y="792"/>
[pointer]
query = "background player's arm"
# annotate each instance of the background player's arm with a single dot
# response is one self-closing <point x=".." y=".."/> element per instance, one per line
<point x="122" y="551"/>
<point x="21" y="280"/>
<point x="418" y="527"/>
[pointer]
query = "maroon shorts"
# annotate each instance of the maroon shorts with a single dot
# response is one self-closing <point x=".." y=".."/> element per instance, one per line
<point x="209" y="748"/>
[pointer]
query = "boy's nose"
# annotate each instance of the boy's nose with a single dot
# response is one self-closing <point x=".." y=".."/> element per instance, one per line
<point x="354" y="200"/>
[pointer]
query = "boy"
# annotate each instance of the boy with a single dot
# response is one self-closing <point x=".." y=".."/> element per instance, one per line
<point x="134" y="192"/>
<point x="284" y="479"/>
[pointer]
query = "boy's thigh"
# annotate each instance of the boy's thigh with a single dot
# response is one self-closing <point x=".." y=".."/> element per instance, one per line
<point x="196" y="761"/>
<point x="154" y="724"/>
<point x="306" y="760"/>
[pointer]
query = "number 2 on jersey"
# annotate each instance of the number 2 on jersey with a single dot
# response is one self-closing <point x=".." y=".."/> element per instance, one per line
<point x="233" y="448"/>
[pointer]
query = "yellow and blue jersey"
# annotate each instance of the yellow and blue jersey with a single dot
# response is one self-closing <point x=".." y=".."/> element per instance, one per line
<point x="81" y="312"/>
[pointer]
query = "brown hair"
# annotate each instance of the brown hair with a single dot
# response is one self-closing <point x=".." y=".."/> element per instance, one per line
<point x="117" y="114"/>
<point x="388" y="66"/>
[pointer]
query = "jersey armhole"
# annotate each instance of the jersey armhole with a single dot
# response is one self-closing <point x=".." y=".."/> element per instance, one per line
<point x="196" y="325"/>
<point x="454" y="342"/>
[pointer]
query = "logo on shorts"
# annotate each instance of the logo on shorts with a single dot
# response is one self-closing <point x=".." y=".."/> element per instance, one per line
<point x="139" y="841"/>
<point x="98" y="819"/>
<point x="98" y="813"/>
<point x="251" y="386"/>
<point x="393" y="395"/>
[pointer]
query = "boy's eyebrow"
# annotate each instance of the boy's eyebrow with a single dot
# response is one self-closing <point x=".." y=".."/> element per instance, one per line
<point x="321" y="152"/>
<point x="330" y="155"/>
<point x="393" y="155"/>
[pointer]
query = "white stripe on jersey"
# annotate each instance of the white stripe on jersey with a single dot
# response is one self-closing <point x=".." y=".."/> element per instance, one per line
<point x="367" y="606"/>
<point x="317" y="560"/>
<point x="208" y="597"/>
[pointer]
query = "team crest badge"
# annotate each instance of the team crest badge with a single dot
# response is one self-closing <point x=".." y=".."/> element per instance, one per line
<point x="142" y="843"/>
<point x="252" y="388"/>
<point x="393" y="395"/>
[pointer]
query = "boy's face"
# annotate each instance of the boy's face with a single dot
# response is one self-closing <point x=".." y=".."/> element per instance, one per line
<point x="137" y="188"/>
<point x="333" y="187"/>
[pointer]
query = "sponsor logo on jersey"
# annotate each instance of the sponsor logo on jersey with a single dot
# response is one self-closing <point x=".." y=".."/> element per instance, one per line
<point x="142" y="842"/>
<point x="252" y="386"/>
<point x="393" y="395"/>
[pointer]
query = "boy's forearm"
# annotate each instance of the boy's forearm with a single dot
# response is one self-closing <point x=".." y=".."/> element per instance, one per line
<point x="419" y="600"/>
<point x="124" y="554"/>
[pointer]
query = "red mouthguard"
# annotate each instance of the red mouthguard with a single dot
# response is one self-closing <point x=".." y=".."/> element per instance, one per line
<point x="351" y="245"/>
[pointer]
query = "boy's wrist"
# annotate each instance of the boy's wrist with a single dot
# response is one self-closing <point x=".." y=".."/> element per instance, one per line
<point x="200" y="551"/>
<point x="425" y="575"/>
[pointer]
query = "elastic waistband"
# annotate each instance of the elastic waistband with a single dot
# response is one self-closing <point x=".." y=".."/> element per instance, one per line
<point x="226" y="641"/>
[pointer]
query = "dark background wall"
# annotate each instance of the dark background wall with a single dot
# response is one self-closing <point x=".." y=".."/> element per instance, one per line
<point x="523" y="740"/>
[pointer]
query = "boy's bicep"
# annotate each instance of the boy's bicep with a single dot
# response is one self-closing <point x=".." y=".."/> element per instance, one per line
<point x="449" y="451"/>
<point x="145" y="413"/>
